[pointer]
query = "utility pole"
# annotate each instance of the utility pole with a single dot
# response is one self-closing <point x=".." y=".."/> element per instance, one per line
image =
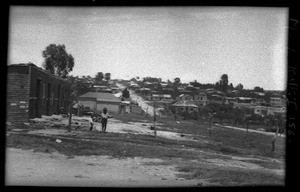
<point x="276" y="134"/>
<point x="211" y="120"/>
<point x="154" y="118"/>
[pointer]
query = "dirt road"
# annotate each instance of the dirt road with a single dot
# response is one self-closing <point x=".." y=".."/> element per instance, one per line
<point x="30" y="168"/>
<point x="142" y="103"/>
<point x="249" y="130"/>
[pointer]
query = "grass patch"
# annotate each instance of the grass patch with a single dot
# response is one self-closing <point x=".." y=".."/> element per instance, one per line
<point x="229" y="176"/>
<point x="116" y="145"/>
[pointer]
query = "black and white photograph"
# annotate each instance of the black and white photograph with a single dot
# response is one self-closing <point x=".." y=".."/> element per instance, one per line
<point x="164" y="96"/>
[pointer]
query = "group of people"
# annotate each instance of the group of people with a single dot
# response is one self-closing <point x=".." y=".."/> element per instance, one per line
<point x="102" y="118"/>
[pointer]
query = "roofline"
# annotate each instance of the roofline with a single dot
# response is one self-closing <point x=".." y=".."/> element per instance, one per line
<point x="38" y="68"/>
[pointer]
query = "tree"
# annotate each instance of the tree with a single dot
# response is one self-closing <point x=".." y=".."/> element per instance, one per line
<point x="99" y="76"/>
<point x="239" y="87"/>
<point x="177" y="81"/>
<point x="125" y="93"/>
<point x="195" y="83"/>
<point x="57" y="61"/>
<point x="73" y="97"/>
<point x="217" y="85"/>
<point x="107" y="76"/>
<point x="258" y="89"/>
<point x="224" y="83"/>
<point x="159" y="87"/>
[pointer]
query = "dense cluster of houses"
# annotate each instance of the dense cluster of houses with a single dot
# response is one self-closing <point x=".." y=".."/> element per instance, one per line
<point x="191" y="98"/>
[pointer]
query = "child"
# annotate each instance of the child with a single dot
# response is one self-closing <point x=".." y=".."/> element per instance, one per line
<point x="104" y="117"/>
<point x="91" y="123"/>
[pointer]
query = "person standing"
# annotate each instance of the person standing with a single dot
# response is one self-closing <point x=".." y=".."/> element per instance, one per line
<point x="91" y="122"/>
<point x="104" y="117"/>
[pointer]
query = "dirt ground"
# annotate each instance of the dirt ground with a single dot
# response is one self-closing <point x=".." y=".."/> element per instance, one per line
<point x="25" y="167"/>
<point x="28" y="167"/>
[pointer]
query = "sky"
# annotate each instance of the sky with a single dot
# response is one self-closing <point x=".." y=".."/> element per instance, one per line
<point x="192" y="43"/>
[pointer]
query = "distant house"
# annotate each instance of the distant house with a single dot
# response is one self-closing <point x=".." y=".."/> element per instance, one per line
<point x="200" y="97"/>
<point x="260" y="93"/>
<point x="277" y="102"/>
<point x="258" y="101"/>
<point x="210" y="90"/>
<point x="185" y="106"/>
<point x="163" y="84"/>
<point x="115" y="89"/>
<point x="235" y="92"/>
<point x="161" y="97"/>
<point x="145" y="91"/>
<point x="263" y="110"/>
<point x="156" y="97"/>
<point x="32" y="92"/>
<point x="133" y="84"/>
<point x="97" y="101"/>
<point x="216" y="98"/>
<point x="230" y="100"/>
<point x="185" y="97"/>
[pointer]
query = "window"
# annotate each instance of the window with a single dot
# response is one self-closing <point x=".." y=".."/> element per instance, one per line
<point x="44" y="90"/>
<point x="52" y="97"/>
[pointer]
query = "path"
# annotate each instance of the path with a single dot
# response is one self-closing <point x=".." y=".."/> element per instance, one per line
<point x="250" y="130"/>
<point x="142" y="103"/>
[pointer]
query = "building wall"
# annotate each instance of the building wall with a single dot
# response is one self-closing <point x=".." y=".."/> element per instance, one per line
<point x="111" y="107"/>
<point x="32" y="92"/>
<point x="277" y="102"/>
<point x="17" y="94"/>
<point x="47" y="93"/>
<point x="91" y="104"/>
<point x="262" y="110"/>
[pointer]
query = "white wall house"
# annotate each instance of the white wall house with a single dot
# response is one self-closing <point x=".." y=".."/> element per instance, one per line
<point x="97" y="101"/>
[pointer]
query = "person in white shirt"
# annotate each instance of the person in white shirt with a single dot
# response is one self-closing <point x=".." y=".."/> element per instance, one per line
<point x="91" y="123"/>
<point x="104" y="117"/>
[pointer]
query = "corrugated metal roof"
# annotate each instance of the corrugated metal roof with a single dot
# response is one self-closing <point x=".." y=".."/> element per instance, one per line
<point x="101" y="96"/>
<point x="184" y="103"/>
